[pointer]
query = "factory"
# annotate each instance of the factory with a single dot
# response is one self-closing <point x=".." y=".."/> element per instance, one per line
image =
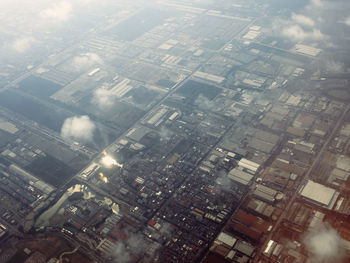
<point x="319" y="194"/>
<point x="307" y="50"/>
<point x="240" y="176"/>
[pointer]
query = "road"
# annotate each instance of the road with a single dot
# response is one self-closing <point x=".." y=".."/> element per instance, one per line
<point x="68" y="253"/>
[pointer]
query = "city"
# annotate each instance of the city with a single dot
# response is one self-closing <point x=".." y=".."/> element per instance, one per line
<point x="178" y="131"/>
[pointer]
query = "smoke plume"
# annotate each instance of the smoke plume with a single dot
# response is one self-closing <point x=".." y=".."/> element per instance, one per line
<point x="136" y="245"/>
<point x="223" y="182"/>
<point x="120" y="254"/>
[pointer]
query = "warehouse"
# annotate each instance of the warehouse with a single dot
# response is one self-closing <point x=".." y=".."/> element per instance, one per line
<point x="248" y="165"/>
<point x="240" y="176"/>
<point x="319" y="194"/>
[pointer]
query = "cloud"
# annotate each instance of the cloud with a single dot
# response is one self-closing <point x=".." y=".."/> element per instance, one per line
<point x="316" y="34"/>
<point x="347" y="21"/>
<point x="303" y="20"/>
<point x="165" y="133"/>
<point x="103" y="98"/>
<point x="22" y="44"/>
<point x="324" y="245"/>
<point x="306" y="26"/>
<point x="317" y="3"/>
<point x="60" y="12"/>
<point x="78" y="128"/>
<point x="84" y="62"/>
<point x="204" y="103"/>
<point x="334" y="66"/>
<point x="297" y="33"/>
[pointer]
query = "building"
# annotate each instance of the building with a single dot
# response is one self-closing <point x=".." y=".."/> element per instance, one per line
<point x="319" y="194"/>
<point x="265" y="193"/>
<point x="245" y="248"/>
<point x="307" y="50"/>
<point x="107" y="247"/>
<point x="240" y="176"/>
<point x="3" y="230"/>
<point x="223" y="245"/>
<point x="260" y="207"/>
<point x="252" y="166"/>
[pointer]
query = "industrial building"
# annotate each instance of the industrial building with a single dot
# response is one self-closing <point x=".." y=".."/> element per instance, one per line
<point x="249" y="165"/>
<point x="240" y="176"/>
<point x="307" y="50"/>
<point x="319" y="194"/>
<point x="266" y="194"/>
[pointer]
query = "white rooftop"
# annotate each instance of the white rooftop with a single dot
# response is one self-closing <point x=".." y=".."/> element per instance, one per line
<point x="226" y="239"/>
<point x="318" y="193"/>
<point x="308" y="50"/>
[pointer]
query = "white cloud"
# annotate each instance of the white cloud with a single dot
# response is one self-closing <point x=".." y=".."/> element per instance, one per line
<point x="22" y="44"/>
<point x="84" y="2"/>
<point x="317" y="3"/>
<point x="334" y="66"/>
<point x="307" y="26"/>
<point x="165" y="133"/>
<point x="103" y="98"/>
<point x="78" y="128"/>
<point x="303" y="20"/>
<point x="316" y="34"/>
<point x="347" y="21"/>
<point x="58" y="12"/>
<point x="204" y="103"/>
<point x="297" y="33"/>
<point x="324" y="245"/>
<point x="84" y="62"/>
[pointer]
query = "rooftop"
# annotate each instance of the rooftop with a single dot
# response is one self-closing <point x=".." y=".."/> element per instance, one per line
<point x="318" y="193"/>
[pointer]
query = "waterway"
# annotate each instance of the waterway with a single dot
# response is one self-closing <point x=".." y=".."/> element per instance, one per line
<point x="58" y="208"/>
